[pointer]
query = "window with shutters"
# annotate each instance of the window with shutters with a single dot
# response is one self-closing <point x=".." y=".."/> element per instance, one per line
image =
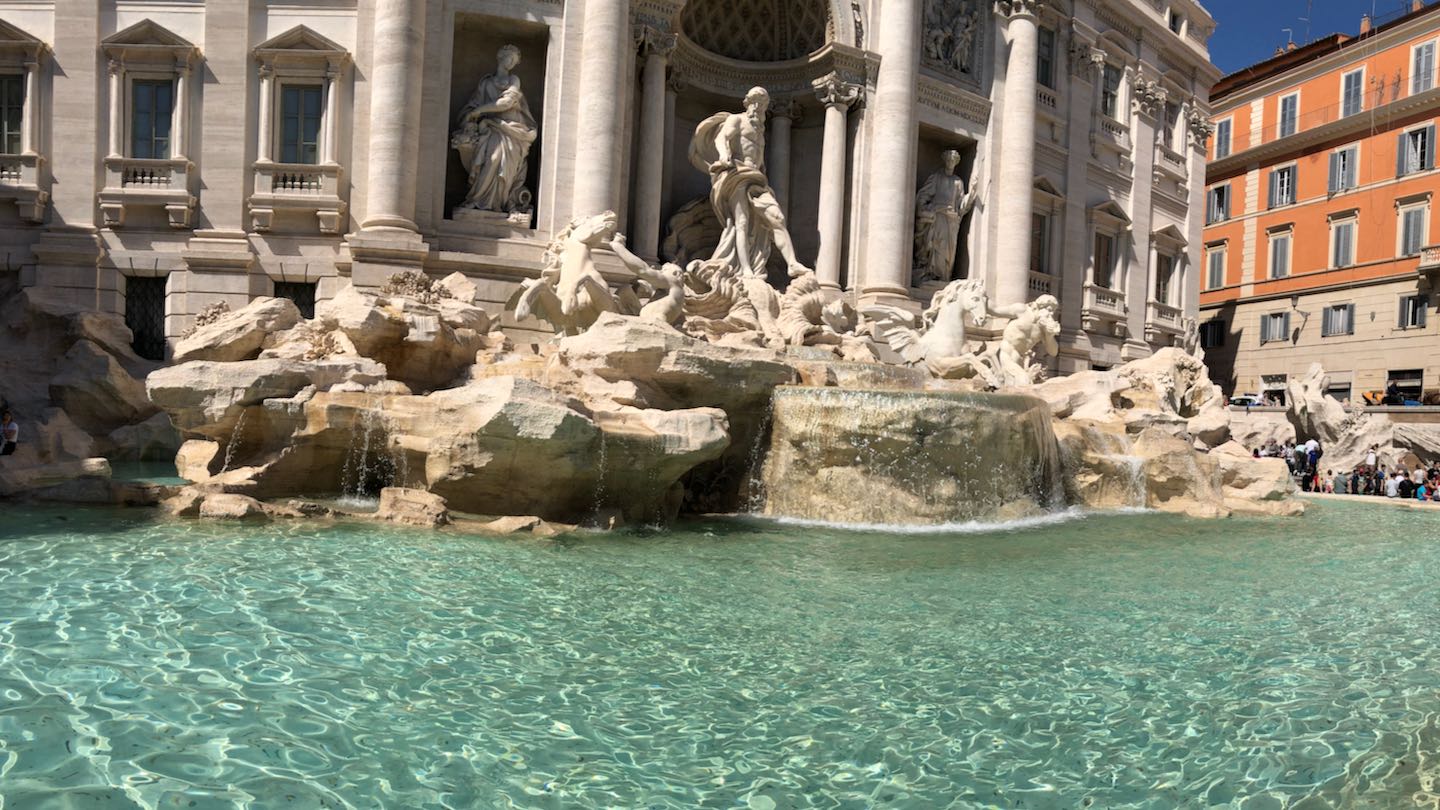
<point x="1352" y="92"/>
<point x="1344" y="169"/>
<point x="1289" y="115"/>
<point x="1412" y="229"/>
<point x="1039" y="243"/>
<point x="1412" y="311"/>
<point x="1212" y="334"/>
<point x="301" y="110"/>
<point x="1280" y="254"/>
<point x="1215" y="267"/>
<point x="1172" y="124"/>
<point x="1164" y="278"/>
<point x="152" y="109"/>
<point x="1222" y="139"/>
<point x="1338" y="320"/>
<point x="1415" y="151"/>
<point x="12" y="113"/>
<point x="1217" y="207"/>
<point x="1104" y="258"/>
<point x="1282" y="186"/>
<point x="1045" y="65"/>
<point x="1342" y="242"/>
<point x="1422" y="70"/>
<point x="1274" y="326"/>
<point x="1110" y="92"/>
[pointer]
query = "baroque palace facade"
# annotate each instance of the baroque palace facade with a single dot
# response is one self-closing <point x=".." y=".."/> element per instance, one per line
<point x="156" y="158"/>
<point x="1321" y="214"/>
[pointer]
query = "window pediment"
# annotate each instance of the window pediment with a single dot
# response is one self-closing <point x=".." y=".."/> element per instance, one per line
<point x="17" y="46"/>
<point x="1169" y="236"/>
<point x="149" y="42"/>
<point x="301" y="47"/>
<point x="1109" y="213"/>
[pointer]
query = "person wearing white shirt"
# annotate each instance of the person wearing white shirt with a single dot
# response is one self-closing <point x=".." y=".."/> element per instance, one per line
<point x="1392" y="485"/>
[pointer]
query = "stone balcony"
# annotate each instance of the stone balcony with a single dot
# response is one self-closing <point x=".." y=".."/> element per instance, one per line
<point x="298" y="187"/>
<point x="137" y="182"/>
<point x="1104" y="311"/>
<point x="1163" y="323"/>
<point x="1430" y="263"/>
<point x="20" y="182"/>
<point x="1042" y="284"/>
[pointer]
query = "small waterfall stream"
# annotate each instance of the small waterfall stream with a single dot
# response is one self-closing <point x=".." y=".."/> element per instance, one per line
<point x="235" y="436"/>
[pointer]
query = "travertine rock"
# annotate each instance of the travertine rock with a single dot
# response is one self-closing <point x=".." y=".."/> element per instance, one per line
<point x="155" y="439"/>
<point x="412" y="507"/>
<point x="1313" y="413"/>
<point x="1178" y="479"/>
<point x="461" y="287"/>
<point x="238" y="335"/>
<point x="1256" y="486"/>
<point x="97" y="392"/>
<point x="229" y="506"/>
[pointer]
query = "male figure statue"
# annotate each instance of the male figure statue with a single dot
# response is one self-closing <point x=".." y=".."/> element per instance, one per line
<point x="939" y="206"/>
<point x="730" y="147"/>
<point x="1031" y="325"/>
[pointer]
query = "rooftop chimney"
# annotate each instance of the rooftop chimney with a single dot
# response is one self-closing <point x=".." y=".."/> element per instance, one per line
<point x="1416" y="5"/>
<point x="1292" y="46"/>
<point x="1364" y="25"/>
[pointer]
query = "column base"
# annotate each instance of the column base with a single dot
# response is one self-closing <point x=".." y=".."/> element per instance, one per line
<point x="376" y="255"/>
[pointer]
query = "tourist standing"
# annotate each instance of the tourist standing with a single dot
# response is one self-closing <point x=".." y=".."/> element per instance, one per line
<point x="9" y="434"/>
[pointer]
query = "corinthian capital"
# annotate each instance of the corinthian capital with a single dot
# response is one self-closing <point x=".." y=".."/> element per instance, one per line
<point x="834" y="91"/>
<point x="652" y="40"/>
<point x="1019" y="8"/>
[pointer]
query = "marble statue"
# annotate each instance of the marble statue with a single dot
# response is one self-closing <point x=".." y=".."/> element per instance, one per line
<point x="570" y="293"/>
<point x="669" y="308"/>
<point x="937" y="341"/>
<point x="494" y="135"/>
<point x="730" y="148"/>
<point x="1033" y="325"/>
<point x="940" y="205"/>
<point x="1191" y="340"/>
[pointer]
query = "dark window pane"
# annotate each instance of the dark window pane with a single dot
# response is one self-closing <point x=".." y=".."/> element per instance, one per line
<point x="300" y="294"/>
<point x="145" y="315"/>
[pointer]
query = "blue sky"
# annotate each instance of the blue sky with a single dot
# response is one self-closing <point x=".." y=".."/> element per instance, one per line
<point x="1250" y="30"/>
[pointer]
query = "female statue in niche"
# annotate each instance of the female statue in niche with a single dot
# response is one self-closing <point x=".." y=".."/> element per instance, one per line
<point x="494" y="136"/>
<point x="940" y="204"/>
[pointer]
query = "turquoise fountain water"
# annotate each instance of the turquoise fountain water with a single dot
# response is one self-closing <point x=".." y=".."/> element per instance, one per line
<point x="1108" y="661"/>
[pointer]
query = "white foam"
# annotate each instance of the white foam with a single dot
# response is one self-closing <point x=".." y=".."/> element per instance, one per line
<point x="967" y="527"/>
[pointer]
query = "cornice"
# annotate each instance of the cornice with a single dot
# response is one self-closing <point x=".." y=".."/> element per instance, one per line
<point x="702" y="69"/>
<point x="954" y="100"/>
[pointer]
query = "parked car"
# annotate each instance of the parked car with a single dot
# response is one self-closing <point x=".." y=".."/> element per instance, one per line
<point x="1247" y="401"/>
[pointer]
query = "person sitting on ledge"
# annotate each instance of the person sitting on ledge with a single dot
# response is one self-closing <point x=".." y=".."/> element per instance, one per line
<point x="9" y="434"/>
<point x="1392" y="485"/>
<point x="1341" y="480"/>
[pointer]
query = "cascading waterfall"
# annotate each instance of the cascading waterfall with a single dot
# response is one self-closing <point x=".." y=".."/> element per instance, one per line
<point x="603" y="469"/>
<point x="369" y="466"/>
<point x="235" y="435"/>
<point x="918" y="457"/>
<point x="754" y="493"/>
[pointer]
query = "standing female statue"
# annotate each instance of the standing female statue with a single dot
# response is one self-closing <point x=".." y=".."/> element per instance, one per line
<point x="495" y="132"/>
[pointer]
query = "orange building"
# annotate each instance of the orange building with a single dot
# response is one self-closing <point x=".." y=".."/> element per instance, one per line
<point x="1320" y="214"/>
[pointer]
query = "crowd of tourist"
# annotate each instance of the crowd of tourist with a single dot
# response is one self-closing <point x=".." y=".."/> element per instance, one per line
<point x="1370" y="477"/>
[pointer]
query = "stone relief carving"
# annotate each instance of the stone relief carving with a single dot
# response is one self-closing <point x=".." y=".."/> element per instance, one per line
<point x="650" y="39"/>
<point x="831" y="89"/>
<point x="1085" y="58"/>
<point x="494" y="135"/>
<point x="951" y="28"/>
<point x="1200" y="127"/>
<point x="940" y="205"/>
<point x="1148" y="96"/>
<point x="730" y="147"/>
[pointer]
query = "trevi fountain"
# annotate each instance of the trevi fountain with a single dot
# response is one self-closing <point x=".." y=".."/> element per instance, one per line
<point x="727" y="538"/>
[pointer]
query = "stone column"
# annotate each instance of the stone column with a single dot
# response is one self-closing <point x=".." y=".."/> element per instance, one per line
<point x="328" y="148"/>
<point x="1017" y="171"/>
<point x="655" y="48"/>
<point x="30" y="132"/>
<point x="394" y="115"/>
<point x="601" y="91"/>
<point x="890" y="225"/>
<point x="178" y="127"/>
<point x="117" y="104"/>
<point x="267" y="129"/>
<point x="673" y="85"/>
<point x="837" y="96"/>
<point x="783" y="115"/>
